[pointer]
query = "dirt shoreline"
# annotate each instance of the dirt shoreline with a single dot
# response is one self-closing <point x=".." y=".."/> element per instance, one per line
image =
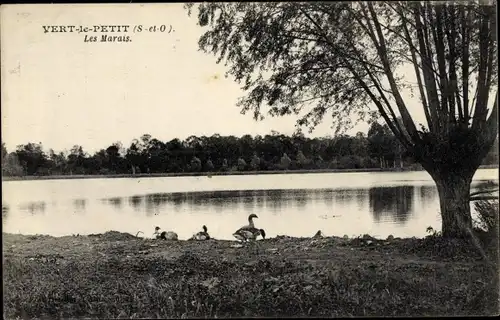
<point x="119" y="275"/>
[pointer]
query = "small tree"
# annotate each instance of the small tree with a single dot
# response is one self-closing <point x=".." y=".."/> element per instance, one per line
<point x="319" y="162"/>
<point x="195" y="164"/>
<point x="225" y="166"/>
<point x="285" y="162"/>
<point x="4" y="153"/>
<point x="255" y="162"/>
<point x="241" y="164"/>
<point x="11" y="165"/>
<point x="302" y="161"/>
<point x="209" y="165"/>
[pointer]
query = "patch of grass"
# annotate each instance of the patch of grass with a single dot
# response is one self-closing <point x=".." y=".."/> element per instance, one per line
<point x="101" y="277"/>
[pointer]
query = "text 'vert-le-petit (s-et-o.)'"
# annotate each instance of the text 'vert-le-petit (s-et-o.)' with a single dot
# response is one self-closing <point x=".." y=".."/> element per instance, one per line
<point x="107" y="33"/>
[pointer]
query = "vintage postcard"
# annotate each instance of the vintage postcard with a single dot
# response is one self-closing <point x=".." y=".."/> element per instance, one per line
<point x="219" y="160"/>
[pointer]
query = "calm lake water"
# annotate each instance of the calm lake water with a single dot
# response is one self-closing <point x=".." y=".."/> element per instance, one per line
<point x="381" y="203"/>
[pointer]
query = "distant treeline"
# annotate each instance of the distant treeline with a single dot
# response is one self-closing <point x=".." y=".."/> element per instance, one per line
<point x="378" y="149"/>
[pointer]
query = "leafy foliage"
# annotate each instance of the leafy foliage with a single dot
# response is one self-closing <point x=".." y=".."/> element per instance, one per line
<point x="311" y="59"/>
<point x="279" y="57"/>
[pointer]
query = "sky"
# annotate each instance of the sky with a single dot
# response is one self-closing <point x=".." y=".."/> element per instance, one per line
<point x="59" y="90"/>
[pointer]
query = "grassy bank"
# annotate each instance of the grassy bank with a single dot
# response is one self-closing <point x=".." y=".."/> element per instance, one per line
<point x="119" y="275"/>
<point x="195" y="174"/>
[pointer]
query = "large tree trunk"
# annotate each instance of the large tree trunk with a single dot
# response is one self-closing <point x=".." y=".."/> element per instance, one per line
<point x="452" y="162"/>
<point x="453" y="181"/>
<point x="454" y="203"/>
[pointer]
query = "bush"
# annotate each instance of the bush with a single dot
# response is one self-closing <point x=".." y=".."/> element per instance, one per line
<point x="209" y="165"/>
<point x="195" y="164"/>
<point x="415" y="166"/>
<point x="334" y="164"/>
<point x="42" y="171"/>
<point x="225" y="166"/>
<point x="486" y="223"/>
<point x="11" y="166"/>
<point x="173" y="167"/>
<point x="485" y="220"/>
<point x="370" y="163"/>
<point x="255" y="163"/>
<point x="285" y="162"/>
<point x="486" y="215"/>
<point x="104" y="171"/>
<point x="242" y="164"/>
<point x="319" y="163"/>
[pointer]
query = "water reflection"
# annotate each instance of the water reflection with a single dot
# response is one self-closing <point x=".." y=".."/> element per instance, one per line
<point x="196" y="201"/>
<point x="301" y="202"/>
<point x="116" y="202"/>
<point x="394" y="204"/>
<point x="79" y="205"/>
<point x="5" y="213"/>
<point x="226" y="201"/>
<point x="428" y="194"/>
<point x="249" y="202"/>
<point x="391" y="203"/>
<point x="346" y="197"/>
<point x="34" y="207"/>
<point x="135" y="201"/>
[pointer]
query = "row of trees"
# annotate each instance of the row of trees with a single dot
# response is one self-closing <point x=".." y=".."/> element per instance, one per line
<point x="378" y="149"/>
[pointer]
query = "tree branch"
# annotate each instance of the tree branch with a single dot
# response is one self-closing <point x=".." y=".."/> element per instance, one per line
<point x="419" y="78"/>
<point x="485" y="66"/>
<point x="443" y="84"/>
<point x="455" y="103"/>
<point x="405" y="115"/>
<point x="359" y="79"/>
<point x="479" y="198"/>
<point x="465" y="30"/>
<point x="429" y="79"/>
<point x="482" y="192"/>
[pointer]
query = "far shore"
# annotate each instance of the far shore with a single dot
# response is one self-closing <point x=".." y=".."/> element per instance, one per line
<point x="196" y="174"/>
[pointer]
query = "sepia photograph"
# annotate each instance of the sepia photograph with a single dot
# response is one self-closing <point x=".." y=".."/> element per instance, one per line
<point x="250" y="159"/>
